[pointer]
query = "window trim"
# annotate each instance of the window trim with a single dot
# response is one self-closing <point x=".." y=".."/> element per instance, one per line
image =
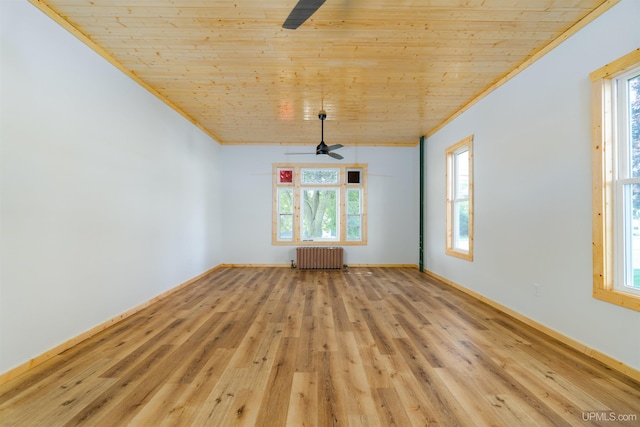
<point x="603" y="161"/>
<point x="297" y="187"/>
<point x="450" y="152"/>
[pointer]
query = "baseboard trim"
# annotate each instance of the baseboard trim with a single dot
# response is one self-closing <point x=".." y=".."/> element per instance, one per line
<point x="383" y="265"/>
<point x="348" y="265"/>
<point x="255" y="265"/>
<point x="21" y="369"/>
<point x="576" y="345"/>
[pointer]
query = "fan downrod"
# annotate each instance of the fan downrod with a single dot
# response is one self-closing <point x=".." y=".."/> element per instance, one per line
<point x="322" y="147"/>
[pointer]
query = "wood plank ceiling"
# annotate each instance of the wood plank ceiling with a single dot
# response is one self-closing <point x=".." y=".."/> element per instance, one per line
<point x="386" y="71"/>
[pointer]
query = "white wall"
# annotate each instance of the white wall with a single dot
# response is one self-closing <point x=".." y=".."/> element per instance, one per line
<point x="393" y="208"/>
<point x="533" y="191"/>
<point x="108" y="197"/>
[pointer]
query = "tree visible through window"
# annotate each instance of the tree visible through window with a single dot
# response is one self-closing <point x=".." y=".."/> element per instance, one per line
<point x="319" y="214"/>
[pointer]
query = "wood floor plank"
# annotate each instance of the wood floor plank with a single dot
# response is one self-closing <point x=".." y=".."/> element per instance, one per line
<point x="118" y="406"/>
<point x="496" y="373"/>
<point x="306" y="353"/>
<point x="375" y="366"/>
<point x="221" y="398"/>
<point x="422" y="344"/>
<point x="75" y="389"/>
<point x="155" y="412"/>
<point x="557" y="393"/>
<point x="183" y="408"/>
<point x="331" y="399"/>
<point x="264" y="358"/>
<point x="439" y="397"/>
<point x="303" y="402"/>
<point x="358" y="394"/>
<point x="277" y="391"/>
<point x="280" y="347"/>
<point x="419" y="406"/>
<point x="379" y="332"/>
<point x="391" y="411"/>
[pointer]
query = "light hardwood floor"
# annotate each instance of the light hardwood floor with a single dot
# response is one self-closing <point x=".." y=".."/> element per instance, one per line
<point x="361" y="347"/>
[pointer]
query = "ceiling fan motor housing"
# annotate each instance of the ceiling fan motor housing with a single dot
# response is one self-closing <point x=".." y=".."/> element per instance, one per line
<point x="322" y="148"/>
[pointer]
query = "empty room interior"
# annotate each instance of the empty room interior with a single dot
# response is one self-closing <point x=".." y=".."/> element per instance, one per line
<point x="320" y="213"/>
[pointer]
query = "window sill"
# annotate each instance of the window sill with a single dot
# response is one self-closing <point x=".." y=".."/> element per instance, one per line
<point x="622" y="299"/>
<point x="318" y="243"/>
<point x="461" y="255"/>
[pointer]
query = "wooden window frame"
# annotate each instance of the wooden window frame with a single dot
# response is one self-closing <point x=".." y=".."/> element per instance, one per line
<point x="603" y="163"/>
<point x="450" y="153"/>
<point x="342" y="185"/>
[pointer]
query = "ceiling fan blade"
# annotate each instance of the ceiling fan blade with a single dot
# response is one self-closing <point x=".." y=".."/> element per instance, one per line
<point x="335" y="155"/>
<point x="301" y="12"/>
<point x="334" y="147"/>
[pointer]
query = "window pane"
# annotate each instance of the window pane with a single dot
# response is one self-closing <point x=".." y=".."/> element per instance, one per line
<point x="631" y="194"/>
<point x="633" y="86"/>
<point x="285" y="214"/>
<point x="285" y="201"/>
<point x="353" y="202"/>
<point x="319" y="210"/>
<point x="354" y="225"/>
<point x="461" y="225"/>
<point x="285" y="175"/>
<point x="285" y="227"/>
<point x="461" y="168"/>
<point x="320" y="176"/>
<point x="353" y="177"/>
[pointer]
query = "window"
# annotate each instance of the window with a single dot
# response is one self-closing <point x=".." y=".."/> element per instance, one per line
<point x="319" y="204"/>
<point x="460" y="199"/>
<point x="616" y="181"/>
<point x="627" y="189"/>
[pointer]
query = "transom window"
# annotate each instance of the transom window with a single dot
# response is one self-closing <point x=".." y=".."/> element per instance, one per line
<point x="616" y="181"/>
<point x="319" y="204"/>
<point x="460" y="199"/>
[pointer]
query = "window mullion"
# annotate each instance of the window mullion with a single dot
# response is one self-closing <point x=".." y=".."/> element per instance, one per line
<point x="296" y="205"/>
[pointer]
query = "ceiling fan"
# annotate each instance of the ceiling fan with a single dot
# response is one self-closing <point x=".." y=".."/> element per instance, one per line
<point x="301" y="12"/>
<point x="323" y="148"/>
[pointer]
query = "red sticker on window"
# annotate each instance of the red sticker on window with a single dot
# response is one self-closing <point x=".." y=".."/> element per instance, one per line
<point x="286" y="175"/>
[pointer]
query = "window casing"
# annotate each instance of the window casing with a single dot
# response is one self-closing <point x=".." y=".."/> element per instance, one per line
<point x="616" y="181"/>
<point x="319" y="204"/>
<point x="460" y="199"/>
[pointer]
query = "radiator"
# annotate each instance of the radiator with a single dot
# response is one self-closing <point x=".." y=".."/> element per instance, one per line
<point x="319" y="258"/>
